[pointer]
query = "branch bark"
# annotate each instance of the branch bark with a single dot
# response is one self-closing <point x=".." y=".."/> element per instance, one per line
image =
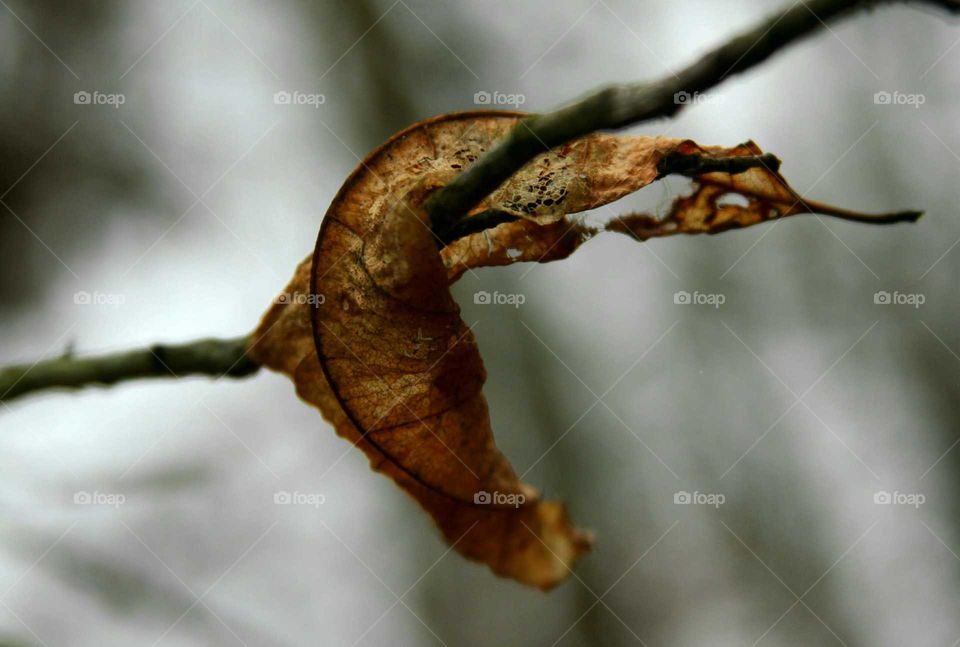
<point x="610" y="108"/>
<point x="623" y="105"/>
<point x="212" y="357"/>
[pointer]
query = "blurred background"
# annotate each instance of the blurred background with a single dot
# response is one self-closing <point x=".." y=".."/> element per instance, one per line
<point x="145" y="163"/>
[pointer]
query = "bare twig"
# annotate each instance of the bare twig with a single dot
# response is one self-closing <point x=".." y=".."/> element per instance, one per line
<point x="213" y="357"/>
<point x="691" y="165"/>
<point x="622" y="105"/>
<point x="610" y="108"/>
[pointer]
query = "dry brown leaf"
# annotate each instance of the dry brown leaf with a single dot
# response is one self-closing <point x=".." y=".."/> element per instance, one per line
<point x="514" y="242"/>
<point x="387" y="359"/>
<point x="766" y="194"/>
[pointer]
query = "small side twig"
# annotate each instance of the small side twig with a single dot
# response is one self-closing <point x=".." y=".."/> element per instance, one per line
<point x="212" y="357"/>
<point x="691" y="165"/>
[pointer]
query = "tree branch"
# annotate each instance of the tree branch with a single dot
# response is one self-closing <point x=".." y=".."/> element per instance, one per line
<point x="622" y="105"/>
<point x="692" y="165"/>
<point x="213" y="357"/>
<point x="610" y="108"/>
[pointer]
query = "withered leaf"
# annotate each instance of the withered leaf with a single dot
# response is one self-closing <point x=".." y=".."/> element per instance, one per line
<point x="766" y="194"/>
<point x="514" y="242"/>
<point x="382" y="350"/>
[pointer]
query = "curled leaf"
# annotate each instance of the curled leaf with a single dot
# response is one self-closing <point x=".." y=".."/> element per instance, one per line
<point x="763" y="195"/>
<point x="380" y="347"/>
<point x="534" y="543"/>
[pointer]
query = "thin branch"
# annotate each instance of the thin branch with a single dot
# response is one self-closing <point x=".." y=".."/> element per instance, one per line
<point x="623" y="105"/>
<point x="610" y="108"/>
<point x="212" y="357"/>
<point x="692" y="165"/>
